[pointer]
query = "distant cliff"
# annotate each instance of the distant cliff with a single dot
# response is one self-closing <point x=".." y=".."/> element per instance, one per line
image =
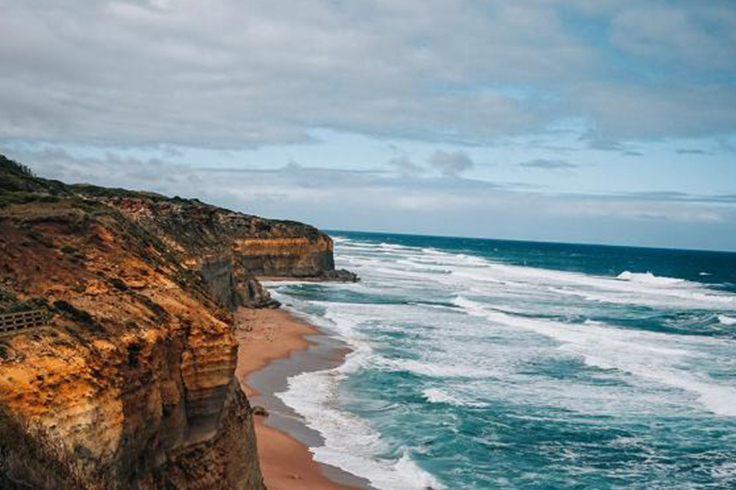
<point x="258" y="246"/>
<point x="130" y="385"/>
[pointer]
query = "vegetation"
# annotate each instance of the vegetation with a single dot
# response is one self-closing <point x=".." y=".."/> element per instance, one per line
<point x="16" y="177"/>
<point x="111" y="192"/>
<point x="24" y="197"/>
<point x="14" y="167"/>
<point x="19" y="185"/>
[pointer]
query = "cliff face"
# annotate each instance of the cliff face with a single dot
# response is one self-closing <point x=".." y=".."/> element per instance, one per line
<point x="232" y="286"/>
<point x="293" y="256"/>
<point x="130" y="384"/>
<point x="257" y="247"/>
<point x="135" y="378"/>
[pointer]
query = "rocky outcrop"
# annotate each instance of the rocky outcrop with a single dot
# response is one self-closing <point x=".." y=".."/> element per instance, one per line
<point x="289" y="256"/>
<point x="341" y="275"/>
<point x="256" y="296"/>
<point x="218" y="275"/>
<point x="190" y="466"/>
<point x="232" y="286"/>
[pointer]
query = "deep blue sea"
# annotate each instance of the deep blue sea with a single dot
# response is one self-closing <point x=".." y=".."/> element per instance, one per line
<point x="491" y="364"/>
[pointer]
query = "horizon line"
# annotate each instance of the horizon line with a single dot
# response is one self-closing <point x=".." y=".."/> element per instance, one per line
<point x="549" y="242"/>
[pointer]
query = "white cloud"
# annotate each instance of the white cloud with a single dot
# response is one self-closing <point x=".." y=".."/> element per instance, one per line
<point x="223" y="73"/>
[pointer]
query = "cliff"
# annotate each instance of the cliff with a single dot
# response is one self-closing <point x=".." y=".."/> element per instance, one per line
<point x="256" y="246"/>
<point x="130" y="382"/>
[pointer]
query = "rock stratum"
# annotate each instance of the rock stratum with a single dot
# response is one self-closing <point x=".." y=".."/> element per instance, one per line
<point x="130" y="384"/>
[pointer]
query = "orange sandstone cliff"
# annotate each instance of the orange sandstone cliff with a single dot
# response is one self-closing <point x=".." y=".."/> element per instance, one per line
<point x="129" y="383"/>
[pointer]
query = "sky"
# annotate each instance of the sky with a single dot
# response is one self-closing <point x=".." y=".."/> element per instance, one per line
<point x="594" y="121"/>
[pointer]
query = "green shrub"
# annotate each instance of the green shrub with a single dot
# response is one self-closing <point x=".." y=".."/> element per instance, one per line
<point x="25" y="197"/>
<point x="13" y="167"/>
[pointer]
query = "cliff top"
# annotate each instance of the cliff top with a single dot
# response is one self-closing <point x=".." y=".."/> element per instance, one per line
<point x="19" y="185"/>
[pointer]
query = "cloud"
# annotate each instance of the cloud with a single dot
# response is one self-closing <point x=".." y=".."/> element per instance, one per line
<point x="668" y="109"/>
<point x="680" y="197"/>
<point x="544" y="164"/>
<point x="211" y="73"/>
<point x="700" y="37"/>
<point x="690" y="151"/>
<point x="451" y="164"/>
<point x="348" y="199"/>
<point x="447" y="164"/>
<point x="595" y="141"/>
<point x="404" y="166"/>
<point x="612" y="208"/>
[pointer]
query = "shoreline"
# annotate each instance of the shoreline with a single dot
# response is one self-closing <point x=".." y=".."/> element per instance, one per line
<point x="272" y="346"/>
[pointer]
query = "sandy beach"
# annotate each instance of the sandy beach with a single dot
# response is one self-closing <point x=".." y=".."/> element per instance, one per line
<point x="273" y="345"/>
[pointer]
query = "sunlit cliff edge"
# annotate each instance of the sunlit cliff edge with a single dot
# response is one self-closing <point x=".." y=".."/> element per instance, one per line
<point x="129" y="383"/>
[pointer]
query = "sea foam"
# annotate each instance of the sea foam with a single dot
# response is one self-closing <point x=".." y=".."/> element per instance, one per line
<point x="315" y="397"/>
<point x="651" y="355"/>
<point x="726" y="320"/>
<point x="553" y="348"/>
<point x="648" y="278"/>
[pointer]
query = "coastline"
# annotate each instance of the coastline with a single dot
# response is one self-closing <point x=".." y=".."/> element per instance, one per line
<point x="273" y="345"/>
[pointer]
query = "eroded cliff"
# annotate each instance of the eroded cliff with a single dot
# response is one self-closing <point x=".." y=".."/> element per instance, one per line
<point x="130" y="383"/>
<point x="257" y="246"/>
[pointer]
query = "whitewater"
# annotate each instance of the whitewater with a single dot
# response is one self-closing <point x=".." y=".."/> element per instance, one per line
<point x="486" y="364"/>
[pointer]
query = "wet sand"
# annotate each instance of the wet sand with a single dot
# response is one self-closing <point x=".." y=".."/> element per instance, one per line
<point x="273" y="345"/>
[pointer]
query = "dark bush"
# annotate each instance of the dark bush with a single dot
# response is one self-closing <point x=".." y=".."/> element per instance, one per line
<point x="13" y="167"/>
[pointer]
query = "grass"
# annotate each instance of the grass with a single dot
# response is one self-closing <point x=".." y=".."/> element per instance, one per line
<point x="113" y="192"/>
<point x="24" y="197"/>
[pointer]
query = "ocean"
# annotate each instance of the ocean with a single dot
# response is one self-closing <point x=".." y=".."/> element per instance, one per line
<point x="493" y="364"/>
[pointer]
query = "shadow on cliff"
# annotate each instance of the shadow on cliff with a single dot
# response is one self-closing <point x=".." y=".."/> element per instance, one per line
<point x="31" y="460"/>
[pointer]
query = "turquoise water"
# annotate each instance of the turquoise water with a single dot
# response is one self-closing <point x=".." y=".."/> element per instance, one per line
<point x="485" y="364"/>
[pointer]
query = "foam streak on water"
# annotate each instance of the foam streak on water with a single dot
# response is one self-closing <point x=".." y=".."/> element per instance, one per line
<point x="487" y="364"/>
